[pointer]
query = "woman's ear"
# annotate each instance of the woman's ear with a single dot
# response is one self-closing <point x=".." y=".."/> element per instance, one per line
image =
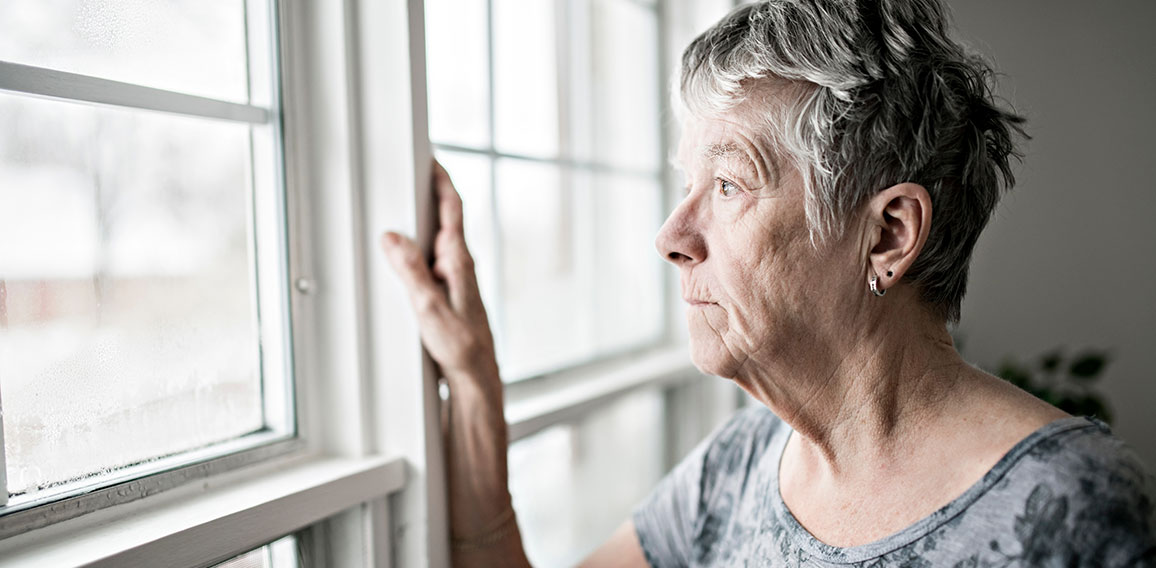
<point x="899" y="218"/>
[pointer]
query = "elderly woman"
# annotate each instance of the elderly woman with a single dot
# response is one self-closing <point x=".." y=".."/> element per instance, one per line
<point x="841" y="159"/>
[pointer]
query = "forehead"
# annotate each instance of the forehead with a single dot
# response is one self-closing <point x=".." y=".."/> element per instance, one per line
<point x="715" y="139"/>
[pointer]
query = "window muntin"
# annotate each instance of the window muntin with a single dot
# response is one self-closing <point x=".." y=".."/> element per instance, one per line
<point x="143" y="313"/>
<point x="566" y="123"/>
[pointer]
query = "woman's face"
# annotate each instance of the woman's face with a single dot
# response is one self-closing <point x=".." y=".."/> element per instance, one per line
<point x="756" y="289"/>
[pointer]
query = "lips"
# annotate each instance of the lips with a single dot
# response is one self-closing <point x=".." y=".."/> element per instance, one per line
<point x="695" y="293"/>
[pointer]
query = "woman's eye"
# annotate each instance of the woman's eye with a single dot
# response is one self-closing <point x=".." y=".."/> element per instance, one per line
<point x="726" y="188"/>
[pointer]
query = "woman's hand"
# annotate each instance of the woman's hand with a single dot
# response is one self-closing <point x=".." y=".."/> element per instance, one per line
<point x="457" y="335"/>
<point x="453" y="322"/>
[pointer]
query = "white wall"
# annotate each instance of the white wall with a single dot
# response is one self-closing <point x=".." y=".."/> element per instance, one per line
<point x="1070" y="257"/>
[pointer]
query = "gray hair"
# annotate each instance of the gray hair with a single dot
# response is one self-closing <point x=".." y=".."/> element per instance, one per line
<point x="879" y="95"/>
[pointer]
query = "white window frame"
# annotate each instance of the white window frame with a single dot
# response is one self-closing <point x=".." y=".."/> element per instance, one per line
<point x="131" y="483"/>
<point x="367" y="465"/>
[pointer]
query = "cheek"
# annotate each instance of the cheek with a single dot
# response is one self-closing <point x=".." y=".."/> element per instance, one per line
<point x="769" y="282"/>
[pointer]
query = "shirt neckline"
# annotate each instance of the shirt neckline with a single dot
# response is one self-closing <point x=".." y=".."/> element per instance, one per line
<point x="820" y="550"/>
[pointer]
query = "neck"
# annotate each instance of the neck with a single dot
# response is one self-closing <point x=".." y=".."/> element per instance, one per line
<point x="869" y="403"/>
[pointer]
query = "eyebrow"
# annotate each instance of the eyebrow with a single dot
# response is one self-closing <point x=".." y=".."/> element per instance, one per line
<point x="727" y="150"/>
<point x="715" y="151"/>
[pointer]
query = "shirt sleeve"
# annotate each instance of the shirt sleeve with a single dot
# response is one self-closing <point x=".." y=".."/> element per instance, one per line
<point x="673" y="520"/>
<point x="666" y="519"/>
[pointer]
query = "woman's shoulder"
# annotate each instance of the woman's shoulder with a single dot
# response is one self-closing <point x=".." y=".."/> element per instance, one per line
<point x="1083" y="488"/>
<point x="727" y="457"/>
<point x="1082" y="454"/>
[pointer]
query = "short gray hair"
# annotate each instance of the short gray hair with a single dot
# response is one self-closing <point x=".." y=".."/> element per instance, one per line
<point x="881" y="95"/>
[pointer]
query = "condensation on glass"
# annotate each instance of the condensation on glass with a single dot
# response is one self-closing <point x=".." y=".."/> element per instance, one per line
<point x="548" y="117"/>
<point x="142" y="271"/>
<point x="190" y="46"/>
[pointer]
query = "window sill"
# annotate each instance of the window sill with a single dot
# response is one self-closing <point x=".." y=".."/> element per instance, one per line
<point x="212" y="523"/>
<point x="534" y="405"/>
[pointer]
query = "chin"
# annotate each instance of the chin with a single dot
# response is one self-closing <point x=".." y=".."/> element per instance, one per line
<point x="707" y="351"/>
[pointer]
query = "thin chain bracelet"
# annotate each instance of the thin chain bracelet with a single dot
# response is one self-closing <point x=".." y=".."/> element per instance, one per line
<point x="505" y="524"/>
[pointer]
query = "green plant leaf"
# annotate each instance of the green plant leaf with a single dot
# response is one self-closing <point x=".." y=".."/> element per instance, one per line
<point x="1088" y="366"/>
<point x="1051" y="361"/>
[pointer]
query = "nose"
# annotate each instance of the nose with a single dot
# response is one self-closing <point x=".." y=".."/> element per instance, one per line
<point x="680" y="240"/>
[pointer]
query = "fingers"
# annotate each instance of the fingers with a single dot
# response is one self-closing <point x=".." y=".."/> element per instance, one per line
<point x="409" y="263"/>
<point x="449" y="202"/>
<point x="457" y="271"/>
<point x="453" y="264"/>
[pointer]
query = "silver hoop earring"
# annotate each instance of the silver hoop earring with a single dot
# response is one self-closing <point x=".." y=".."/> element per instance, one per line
<point x="875" y="287"/>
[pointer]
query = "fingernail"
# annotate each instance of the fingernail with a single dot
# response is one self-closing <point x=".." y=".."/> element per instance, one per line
<point x="392" y="238"/>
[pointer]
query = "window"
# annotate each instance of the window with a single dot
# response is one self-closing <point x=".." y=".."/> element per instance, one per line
<point x="548" y="116"/>
<point x="281" y="553"/>
<point x="143" y="284"/>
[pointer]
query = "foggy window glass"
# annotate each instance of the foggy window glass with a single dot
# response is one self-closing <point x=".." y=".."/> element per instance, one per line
<point x="129" y="323"/>
<point x="190" y="46"/>
<point x="142" y="279"/>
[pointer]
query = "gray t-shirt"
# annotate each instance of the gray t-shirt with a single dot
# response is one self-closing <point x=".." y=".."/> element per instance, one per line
<point x="1070" y="494"/>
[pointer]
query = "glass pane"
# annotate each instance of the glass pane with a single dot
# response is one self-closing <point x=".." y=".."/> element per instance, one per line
<point x="525" y="78"/>
<point x="574" y="484"/>
<point x="625" y="85"/>
<point x="128" y="322"/>
<point x="628" y="296"/>
<point x="544" y="216"/>
<point x="458" y="72"/>
<point x="191" y="46"/>
<point x="280" y="553"/>
<point x="471" y="175"/>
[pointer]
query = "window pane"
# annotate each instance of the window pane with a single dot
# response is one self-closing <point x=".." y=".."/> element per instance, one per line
<point x="128" y="322"/>
<point x="625" y="85"/>
<point x="458" y="71"/>
<point x="544" y="214"/>
<point x="574" y="484"/>
<point x="577" y="277"/>
<point x="525" y="77"/>
<point x="628" y="297"/>
<point x="580" y="277"/>
<point x="280" y="553"/>
<point x="191" y="46"/>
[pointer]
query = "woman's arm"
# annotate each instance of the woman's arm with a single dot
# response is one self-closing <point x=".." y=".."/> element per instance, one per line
<point x="456" y="332"/>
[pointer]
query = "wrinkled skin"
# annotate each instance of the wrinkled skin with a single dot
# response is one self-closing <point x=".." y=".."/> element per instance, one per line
<point x="758" y="289"/>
